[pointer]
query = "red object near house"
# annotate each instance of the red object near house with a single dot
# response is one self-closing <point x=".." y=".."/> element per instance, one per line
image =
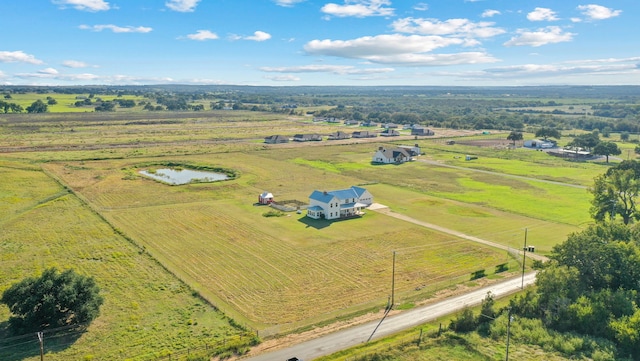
<point x="265" y="198"/>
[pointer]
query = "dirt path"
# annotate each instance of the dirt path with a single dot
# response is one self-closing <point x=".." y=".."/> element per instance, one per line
<point x="386" y="210"/>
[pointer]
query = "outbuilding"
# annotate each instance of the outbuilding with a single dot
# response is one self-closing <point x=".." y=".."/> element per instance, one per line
<point x="265" y="198"/>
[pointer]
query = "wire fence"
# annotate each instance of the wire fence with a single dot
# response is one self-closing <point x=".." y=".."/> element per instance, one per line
<point x="58" y="340"/>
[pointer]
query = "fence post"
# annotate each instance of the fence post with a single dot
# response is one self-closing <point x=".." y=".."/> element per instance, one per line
<point x="420" y="338"/>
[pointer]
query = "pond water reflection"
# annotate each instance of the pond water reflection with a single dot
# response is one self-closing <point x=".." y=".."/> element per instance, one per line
<point x="184" y="176"/>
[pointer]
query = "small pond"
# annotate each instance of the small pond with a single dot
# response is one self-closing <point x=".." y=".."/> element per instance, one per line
<point x="184" y="176"/>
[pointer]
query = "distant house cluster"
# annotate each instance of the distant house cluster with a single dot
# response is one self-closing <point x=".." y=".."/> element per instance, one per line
<point x="338" y="204"/>
<point x="388" y="131"/>
<point x="400" y="154"/>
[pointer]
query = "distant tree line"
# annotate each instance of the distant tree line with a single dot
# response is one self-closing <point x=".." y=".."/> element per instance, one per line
<point x="617" y="109"/>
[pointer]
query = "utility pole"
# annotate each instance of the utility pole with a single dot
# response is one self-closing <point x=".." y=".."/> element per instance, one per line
<point x="393" y="281"/>
<point x="508" y="331"/>
<point x="41" y="340"/>
<point x="524" y="256"/>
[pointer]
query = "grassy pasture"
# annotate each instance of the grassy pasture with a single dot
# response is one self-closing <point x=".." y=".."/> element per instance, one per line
<point x="216" y="239"/>
<point x="66" y="102"/>
<point x="278" y="273"/>
<point x="147" y="311"/>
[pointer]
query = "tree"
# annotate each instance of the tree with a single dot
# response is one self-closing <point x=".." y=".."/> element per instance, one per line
<point x="37" y="107"/>
<point x="587" y="140"/>
<point x="624" y="136"/>
<point x="54" y="299"/>
<point x="514" y="136"/>
<point x="606" y="149"/>
<point x="548" y="133"/>
<point x="615" y="193"/>
<point x="107" y="106"/>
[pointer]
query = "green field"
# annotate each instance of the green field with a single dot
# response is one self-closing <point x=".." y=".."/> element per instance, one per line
<point x="167" y="256"/>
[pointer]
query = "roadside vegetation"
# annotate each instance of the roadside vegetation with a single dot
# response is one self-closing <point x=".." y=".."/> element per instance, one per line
<point x="200" y="266"/>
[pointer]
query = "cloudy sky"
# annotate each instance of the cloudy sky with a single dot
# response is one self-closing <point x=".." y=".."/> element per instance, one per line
<point x="329" y="42"/>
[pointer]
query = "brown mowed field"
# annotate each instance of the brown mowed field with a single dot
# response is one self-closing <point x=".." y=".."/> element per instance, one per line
<point x="265" y="271"/>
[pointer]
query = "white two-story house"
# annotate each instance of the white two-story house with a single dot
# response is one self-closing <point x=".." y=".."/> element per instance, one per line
<point x="338" y="204"/>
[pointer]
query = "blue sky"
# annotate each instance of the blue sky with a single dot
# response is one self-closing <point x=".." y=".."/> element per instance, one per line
<point x="330" y="42"/>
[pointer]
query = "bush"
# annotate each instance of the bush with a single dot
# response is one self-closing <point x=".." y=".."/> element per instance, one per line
<point x="273" y="214"/>
<point x="464" y="322"/>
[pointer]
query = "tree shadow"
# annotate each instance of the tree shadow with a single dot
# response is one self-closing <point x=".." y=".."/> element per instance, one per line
<point x="17" y="348"/>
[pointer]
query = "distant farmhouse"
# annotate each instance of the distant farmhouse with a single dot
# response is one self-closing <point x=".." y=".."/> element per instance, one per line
<point x="338" y="204"/>
<point x="414" y="150"/>
<point x="307" y="137"/>
<point x="539" y="144"/>
<point x="388" y="156"/>
<point x="396" y="155"/>
<point x="390" y="126"/>
<point x="351" y="122"/>
<point x="326" y="119"/>
<point x="368" y="124"/>
<point x="339" y="135"/>
<point x="364" y="134"/>
<point x="276" y="139"/>
<point x="421" y="131"/>
<point x="389" y="133"/>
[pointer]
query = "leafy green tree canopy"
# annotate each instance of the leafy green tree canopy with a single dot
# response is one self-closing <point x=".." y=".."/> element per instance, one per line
<point x="587" y="140"/>
<point x="54" y="299"/>
<point x="37" y="107"/>
<point x="606" y="149"/>
<point x="616" y="192"/>
<point x="548" y="133"/>
<point x="514" y="136"/>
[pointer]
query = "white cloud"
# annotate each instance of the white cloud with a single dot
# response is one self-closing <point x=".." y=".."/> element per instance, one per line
<point x="183" y="6"/>
<point x="202" y="35"/>
<point x="359" y="8"/>
<point x="335" y="69"/>
<point x="18" y="57"/>
<point x="563" y="69"/>
<point x="257" y="36"/>
<point x="283" y="78"/>
<point x="48" y="71"/>
<point x="117" y="29"/>
<point x="548" y="35"/>
<point x="287" y="3"/>
<point x="421" y="7"/>
<point x="453" y="27"/>
<point x="542" y="14"/>
<point x="598" y="12"/>
<point x="398" y="49"/>
<point x="54" y="74"/>
<point x="84" y="5"/>
<point x="474" y="57"/>
<point x="74" y="64"/>
<point x="490" y="13"/>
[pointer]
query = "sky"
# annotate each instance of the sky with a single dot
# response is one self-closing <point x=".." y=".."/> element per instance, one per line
<point x="328" y="42"/>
